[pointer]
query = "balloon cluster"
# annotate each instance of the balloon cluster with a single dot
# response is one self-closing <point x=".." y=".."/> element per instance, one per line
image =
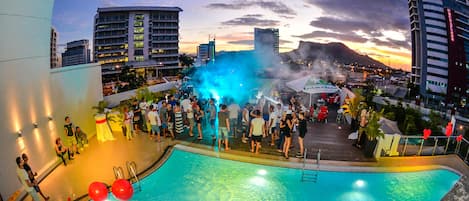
<point x="121" y="189"/>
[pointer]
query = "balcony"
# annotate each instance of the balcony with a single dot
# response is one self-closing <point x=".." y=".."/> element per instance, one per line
<point x="112" y="29"/>
<point x="101" y="22"/>
<point x="111" y="36"/>
<point x="156" y="55"/>
<point x="164" y="34"/>
<point x="164" y="41"/>
<point x="164" y="27"/>
<point x="111" y="44"/>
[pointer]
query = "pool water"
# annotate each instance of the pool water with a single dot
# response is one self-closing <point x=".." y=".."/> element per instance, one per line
<point x="189" y="176"/>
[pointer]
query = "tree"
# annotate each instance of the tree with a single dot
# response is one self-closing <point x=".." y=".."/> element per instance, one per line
<point x="186" y="60"/>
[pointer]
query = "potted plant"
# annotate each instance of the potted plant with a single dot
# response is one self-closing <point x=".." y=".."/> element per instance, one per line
<point x="372" y="133"/>
<point x="354" y="106"/>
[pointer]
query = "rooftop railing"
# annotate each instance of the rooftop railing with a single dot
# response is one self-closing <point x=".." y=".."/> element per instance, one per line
<point x="434" y="145"/>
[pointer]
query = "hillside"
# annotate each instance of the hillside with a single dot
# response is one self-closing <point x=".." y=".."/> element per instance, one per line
<point x="334" y="52"/>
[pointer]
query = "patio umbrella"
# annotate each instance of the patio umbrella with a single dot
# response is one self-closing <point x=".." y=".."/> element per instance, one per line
<point x="311" y="85"/>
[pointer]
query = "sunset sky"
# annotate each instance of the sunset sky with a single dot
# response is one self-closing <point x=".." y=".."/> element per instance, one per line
<point x="379" y="29"/>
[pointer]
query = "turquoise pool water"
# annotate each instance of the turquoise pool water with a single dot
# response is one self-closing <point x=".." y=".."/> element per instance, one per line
<point x="189" y="176"/>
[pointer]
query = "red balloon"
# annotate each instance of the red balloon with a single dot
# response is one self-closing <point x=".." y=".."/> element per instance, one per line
<point x="459" y="138"/>
<point x="426" y="133"/>
<point x="449" y="129"/>
<point x="122" y="189"/>
<point x="97" y="191"/>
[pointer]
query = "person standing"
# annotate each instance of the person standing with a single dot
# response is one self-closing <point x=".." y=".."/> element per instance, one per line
<point x="32" y="175"/>
<point x="178" y="120"/>
<point x="155" y="123"/>
<point x="164" y="118"/>
<point x="223" y="127"/>
<point x="257" y="131"/>
<point x="190" y="117"/>
<point x="273" y="125"/>
<point x="127" y="126"/>
<point x="212" y="111"/>
<point x="233" y="109"/>
<point x="302" y="128"/>
<point x="288" y="126"/>
<point x="170" y="119"/>
<point x="199" y="115"/>
<point x="143" y="105"/>
<point x="70" y="138"/>
<point x="137" y="116"/>
<point x="24" y="179"/>
<point x="245" y="122"/>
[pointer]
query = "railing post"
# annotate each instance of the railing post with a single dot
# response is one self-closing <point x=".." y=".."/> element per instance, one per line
<point x="458" y="146"/>
<point x="405" y="146"/>
<point x="447" y="144"/>
<point x="434" y="147"/>
<point x="318" y="157"/>
<point x="467" y="153"/>
<point x="420" y="149"/>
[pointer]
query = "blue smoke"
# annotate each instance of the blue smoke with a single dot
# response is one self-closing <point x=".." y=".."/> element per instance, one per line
<point x="232" y="75"/>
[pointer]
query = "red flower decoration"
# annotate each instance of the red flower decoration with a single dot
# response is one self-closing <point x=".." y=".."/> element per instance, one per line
<point x="459" y="138"/>
<point x="426" y="133"/>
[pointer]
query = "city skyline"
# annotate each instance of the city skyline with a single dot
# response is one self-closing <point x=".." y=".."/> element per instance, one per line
<point x="378" y="29"/>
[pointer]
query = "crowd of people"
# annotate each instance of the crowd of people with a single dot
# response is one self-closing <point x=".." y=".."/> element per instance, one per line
<point x="185" y="114"/>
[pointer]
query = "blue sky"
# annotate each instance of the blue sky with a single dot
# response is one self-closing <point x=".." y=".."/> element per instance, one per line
<point x="377" y="28"/>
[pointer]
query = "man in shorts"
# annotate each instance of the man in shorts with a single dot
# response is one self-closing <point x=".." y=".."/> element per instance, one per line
<point x="155" y="123"/>
<point x="70" y="138"/>
<point x="223" y="127"/>
<point x="257" y="131"/>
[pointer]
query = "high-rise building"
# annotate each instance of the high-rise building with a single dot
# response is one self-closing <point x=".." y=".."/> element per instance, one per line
<point x="266" y="41"/>
<point x="54" y="62"/>
<point x="206" y="52"/>
<point x="440" y="49"/>
<point x="138" y="37"/>
<point x="77" y="52"/>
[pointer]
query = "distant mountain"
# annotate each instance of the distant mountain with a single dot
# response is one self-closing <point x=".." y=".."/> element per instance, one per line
<point x="334" y="52"/>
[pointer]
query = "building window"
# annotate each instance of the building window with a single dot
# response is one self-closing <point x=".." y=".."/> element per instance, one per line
<point x="138" y="30"/>
<point x="138" y="52"/>
<point x="138" y="44"/>
<point x="138" y="37"/>
<point x="139" y="16"/>
<point x="138" y="24"/>
<point x="139" y="58"/>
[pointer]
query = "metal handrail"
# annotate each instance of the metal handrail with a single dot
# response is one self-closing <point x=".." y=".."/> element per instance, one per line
<point x="118" y="172"/>
<point x="457" y="148"/>
<point x="131" y="168"/>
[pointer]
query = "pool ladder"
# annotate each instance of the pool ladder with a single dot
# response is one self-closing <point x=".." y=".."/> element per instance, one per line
<point x="132" y="171"/>
<point x="313" y="176"/>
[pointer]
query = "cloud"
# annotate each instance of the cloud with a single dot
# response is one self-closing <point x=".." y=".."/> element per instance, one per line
<point x="369" y="17"/>
<point x="339" y="36"/>
<point x="248" y="20"/>
<point x="274" y="6"/>
<point x="283" y="42"/>
<point x="242" y="42"/>
<point x="391" y="43"/>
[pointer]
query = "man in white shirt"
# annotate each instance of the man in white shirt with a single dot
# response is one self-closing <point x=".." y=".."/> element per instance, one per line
<point x="273" y="124"/>
<point x="24" y="179"/>
<point x="257" y="131"/>
<point x="234" y="110"/>
<point x="155" y="123"/>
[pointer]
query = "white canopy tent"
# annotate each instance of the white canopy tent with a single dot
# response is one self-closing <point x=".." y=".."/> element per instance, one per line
<point x="312" y="85"/>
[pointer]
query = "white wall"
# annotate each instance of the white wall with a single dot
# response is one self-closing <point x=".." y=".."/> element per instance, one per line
<point x="25" y="88"/>
<point x="75" y="90"/>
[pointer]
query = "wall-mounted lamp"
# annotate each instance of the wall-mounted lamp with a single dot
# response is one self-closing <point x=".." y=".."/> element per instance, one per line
<point x="19" y="133"/>
<point x="50" y="117"/>
<point x="35" y="125"/>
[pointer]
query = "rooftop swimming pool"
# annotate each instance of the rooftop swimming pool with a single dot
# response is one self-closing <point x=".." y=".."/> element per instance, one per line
<point x="189" y="176"/>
